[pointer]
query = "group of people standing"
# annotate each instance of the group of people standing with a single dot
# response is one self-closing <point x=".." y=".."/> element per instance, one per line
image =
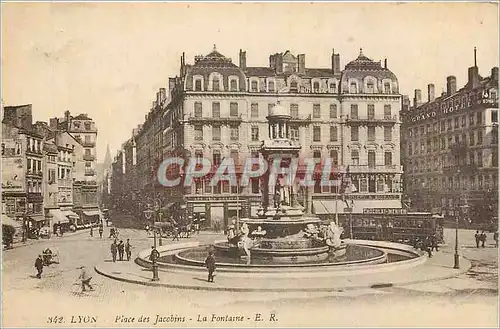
<point x="120" y="249"/>
<point x="481" y="238"/>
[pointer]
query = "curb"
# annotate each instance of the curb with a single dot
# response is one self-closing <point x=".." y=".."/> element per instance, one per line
<point x="379" y="285"/>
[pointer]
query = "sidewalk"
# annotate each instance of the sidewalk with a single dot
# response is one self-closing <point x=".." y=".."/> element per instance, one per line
<point x="439" y="267"/>
<point x="31" y="242"/>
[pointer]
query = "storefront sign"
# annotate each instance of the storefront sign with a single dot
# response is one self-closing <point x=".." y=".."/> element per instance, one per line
<point x="12" y="174"/>
<point x="385" y="211"/>
<point x="452" y="105"/>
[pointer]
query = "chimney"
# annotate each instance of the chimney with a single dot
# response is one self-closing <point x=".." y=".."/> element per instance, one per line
<point x="158" y="99"/>
<point x="431" y="93"/>
<point x="302" y="63"/>
<point x="473" y="75"/>
<point x="451" y="85"/>
<point x="53" y="123"/>
<point x="406" y="103"/>
<point x="279" y="63"/>
<point x="335" y="62"/>
<point x="385" y="63"/>
<point x="163" y="93"/>
<point x="417" y="100"/>
<point x="494" y="74"/>
<point x="67" y="118"/>
<point x="243" y="60"/>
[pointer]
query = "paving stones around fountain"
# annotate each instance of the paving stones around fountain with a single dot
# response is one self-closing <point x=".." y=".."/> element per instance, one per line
<point x="439" y="267"/>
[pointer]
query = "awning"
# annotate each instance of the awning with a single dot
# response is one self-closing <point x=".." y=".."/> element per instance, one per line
<point x="70" y="214"/>
<point x="38" y="218"/>
<point x="6" y="220"/>
<point x="92" y="212"/>
<point x="58" y="216"/>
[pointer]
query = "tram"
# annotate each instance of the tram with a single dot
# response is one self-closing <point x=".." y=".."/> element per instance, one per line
<point x="408" y="228"/>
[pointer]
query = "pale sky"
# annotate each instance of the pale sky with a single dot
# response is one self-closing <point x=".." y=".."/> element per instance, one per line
<point x="109" y="59"/>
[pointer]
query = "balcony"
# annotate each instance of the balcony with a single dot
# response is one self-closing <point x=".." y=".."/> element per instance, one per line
<point x="301" y="119"/>
<point x="392" y="169"/>
<point x="33" y="151"/>
<point x="388" y="119"/>
<point x="464" y="169"/>
<point x="221" y="120"/>
<point x="36" y="173"/>
<point x="90" y="172"/>
<point x="88" y="143"/>
<point x="88" y="157"/>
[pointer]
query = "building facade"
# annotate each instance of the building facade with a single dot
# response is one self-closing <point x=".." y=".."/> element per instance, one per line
<point x="450" y="148"/>
<point x="80" y="134"/>
<point x="217" y="109"/>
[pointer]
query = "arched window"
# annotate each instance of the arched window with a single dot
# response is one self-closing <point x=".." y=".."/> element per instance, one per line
<point x="197" y="85"/>
<point x="255" y="86"/>
<point x="215" y="84"/>
<point x="370" y="87"/>
<point x="387" y="87"/>
<point x="353" y="88"/>
<point x="233" y="85"/>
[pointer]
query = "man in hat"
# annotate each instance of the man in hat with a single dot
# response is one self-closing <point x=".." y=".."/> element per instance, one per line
<point x="85" y="278"/>
<point x="128" y="249"/>
<point x="121" y="250"/>
<point x="114" y="249"/>
<point x="39" y="266"/>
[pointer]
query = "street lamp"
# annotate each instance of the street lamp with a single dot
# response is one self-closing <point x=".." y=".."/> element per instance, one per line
<point x="148" y="213"/>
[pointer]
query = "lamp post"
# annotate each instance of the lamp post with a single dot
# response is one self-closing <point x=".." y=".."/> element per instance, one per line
<point x="148" y="213"/>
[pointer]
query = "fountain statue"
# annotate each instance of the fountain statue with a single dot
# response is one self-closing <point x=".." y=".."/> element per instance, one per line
<point x="281" y="231"/>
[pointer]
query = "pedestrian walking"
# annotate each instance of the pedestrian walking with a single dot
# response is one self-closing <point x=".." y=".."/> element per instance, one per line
<point x="114" y="249"/>
<point x="147" y="229"/>
<point x="210" y="264"/>
<point x="434" y="242"/>
<point x="477" y="236"/>
<point x="91" y="231"/>
<point x="101" y="230"/>
<point x="121" y="249"/>
<point x="495" y="238"/>
<point x="177" y="232"/>
<point x="128" y="249"/>
<point x="483" y="238"/>
<point x="39" y="266"/>
<point x="85" y="278"/>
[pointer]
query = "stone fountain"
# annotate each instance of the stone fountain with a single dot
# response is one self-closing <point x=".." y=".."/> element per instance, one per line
<point x="282" y="232"/>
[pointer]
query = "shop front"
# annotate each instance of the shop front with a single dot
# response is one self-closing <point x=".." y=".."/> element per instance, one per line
<point x="58" y="219"/>
<point x="91" y="217"/>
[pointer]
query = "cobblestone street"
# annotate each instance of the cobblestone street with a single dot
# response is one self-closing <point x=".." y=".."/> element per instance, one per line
<point x="59" y="293"/>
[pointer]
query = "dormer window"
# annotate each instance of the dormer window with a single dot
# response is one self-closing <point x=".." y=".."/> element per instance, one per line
<point x="387" y="88"/>
<point x="370" y="87"/>
<point x="215" y="84"/>
<point x="233" y="85"/>
<point x="270" y="86"/>
<point x="87" y="125"/>
<point x="316" y="87"/>
<point x="255" y="86"/>
<point x="353" y="88"/>
<point x="197" y="85"/>
<point x="333" y="87"/>
<point x="293" y="86"/>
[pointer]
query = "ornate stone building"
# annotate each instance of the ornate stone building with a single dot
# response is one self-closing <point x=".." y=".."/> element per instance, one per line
<point x="450" y="148"/>
<point x="218" y="109"/>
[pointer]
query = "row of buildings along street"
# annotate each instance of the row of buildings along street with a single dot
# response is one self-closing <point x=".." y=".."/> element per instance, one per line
<point x="50" y="176"/>
<point x="431" y="156"/>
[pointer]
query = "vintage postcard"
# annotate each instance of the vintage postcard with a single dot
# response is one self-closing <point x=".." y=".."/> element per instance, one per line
<point x="182" y="164"/>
